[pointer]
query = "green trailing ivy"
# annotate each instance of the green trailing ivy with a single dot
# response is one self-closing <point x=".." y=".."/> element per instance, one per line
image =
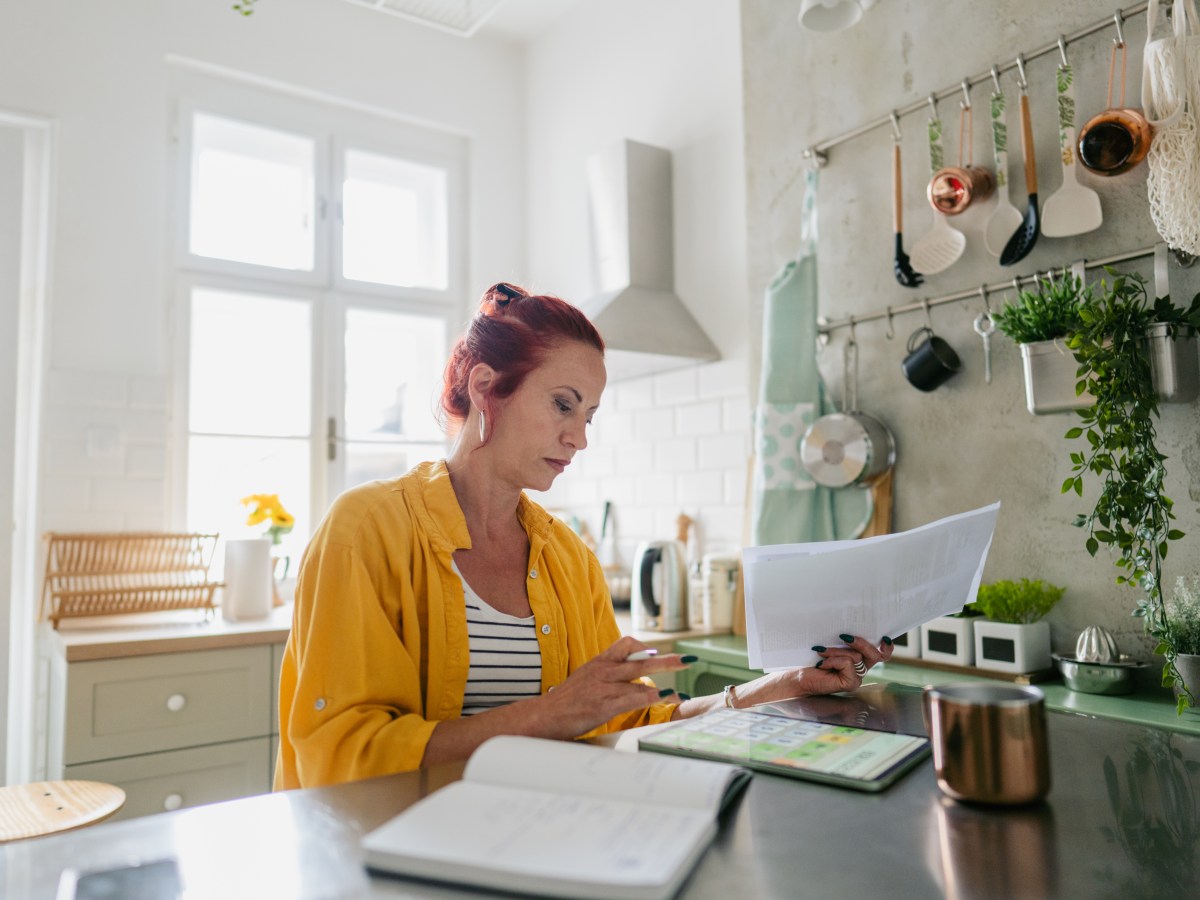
<point x="1133" y="515"/>
<point x="1050" y="311"/>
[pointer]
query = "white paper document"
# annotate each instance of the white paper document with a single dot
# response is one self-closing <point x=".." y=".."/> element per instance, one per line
<point x="802" y="595"/>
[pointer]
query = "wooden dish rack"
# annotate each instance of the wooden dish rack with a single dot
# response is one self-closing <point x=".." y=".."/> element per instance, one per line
<point x="104" y="574"/>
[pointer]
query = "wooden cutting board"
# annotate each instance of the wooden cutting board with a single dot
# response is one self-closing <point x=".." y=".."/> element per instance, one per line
<point x="48" y="807"/>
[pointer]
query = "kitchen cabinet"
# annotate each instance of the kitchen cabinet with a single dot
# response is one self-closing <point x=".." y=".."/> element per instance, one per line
<point x="723" y="660"/>
<point x="177" y="714"/>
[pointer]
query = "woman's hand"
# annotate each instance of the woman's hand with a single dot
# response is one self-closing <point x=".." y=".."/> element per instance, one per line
<point x="602" y="688"/>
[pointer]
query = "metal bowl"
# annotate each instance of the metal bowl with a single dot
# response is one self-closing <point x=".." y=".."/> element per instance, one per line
<point x="1099" y="677"/>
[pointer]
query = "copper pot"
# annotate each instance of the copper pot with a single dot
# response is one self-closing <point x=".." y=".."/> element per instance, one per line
<point x="954" y="188"/>
<point x="1117" y="139"/>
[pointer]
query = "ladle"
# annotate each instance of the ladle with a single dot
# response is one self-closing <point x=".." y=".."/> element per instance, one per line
<point x="941" y="246"/>
<point x="1026" y="235"/>
<point x="1073" y="208"/>
<point x="1005" y="218"/>
<point x="901" y="265"/>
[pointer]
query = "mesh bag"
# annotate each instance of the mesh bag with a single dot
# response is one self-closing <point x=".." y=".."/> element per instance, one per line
<point x="1171" y="101"/>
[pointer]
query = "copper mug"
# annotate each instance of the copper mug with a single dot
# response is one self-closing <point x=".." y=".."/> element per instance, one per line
<point x="1117" y="139"/>
<point x="989" y="742"/>
<point x="953" y="188"/>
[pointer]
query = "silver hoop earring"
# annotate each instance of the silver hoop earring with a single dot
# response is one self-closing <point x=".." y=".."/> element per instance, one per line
<point x="482" y="428"/>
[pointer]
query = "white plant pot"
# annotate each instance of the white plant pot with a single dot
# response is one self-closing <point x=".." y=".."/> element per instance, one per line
<point x="907" y="645"/>
<point x="948" y="639"/>
<point x="1050" y="378"/>
<point x="1018" y="649"/>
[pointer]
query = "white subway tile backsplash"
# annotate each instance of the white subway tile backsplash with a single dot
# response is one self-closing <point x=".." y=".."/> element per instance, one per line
<point x="726" y="378"/>
<point x="736" y="416"/>
<point x="655" y="490"/>
<point x="701" y="489"/>
<point x="595" y="462"/>
<point x="636" y="393"/>
<point x="636" y="457"/>
<point x="735" y="484"/>
<point x="654" y="424"/>
<point x="698" y="418"/>
<point x="725" y="451"/>
<point x="148" y="393"/>
<point x="82" y="520"/>
<point x="678" y="386"/>
<point x="146" y="460"/>
<point x="69" y="456"/>
<point x="612" y="427"/>
<point x="65" y="493"/>
<point x="675" y="455"/>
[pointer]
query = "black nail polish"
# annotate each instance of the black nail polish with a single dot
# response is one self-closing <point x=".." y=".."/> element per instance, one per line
<point x="818" y="665"/>
<point x="683" y="696"/>
<point x="666" y="692"/>
<point x="689" y="658"/>
<point x="818" y="648"/>
<point x="848" y="638"/>
<point x="887" y="640"/>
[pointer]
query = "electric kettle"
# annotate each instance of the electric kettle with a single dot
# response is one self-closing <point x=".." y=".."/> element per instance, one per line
<point x="658" y="601"/>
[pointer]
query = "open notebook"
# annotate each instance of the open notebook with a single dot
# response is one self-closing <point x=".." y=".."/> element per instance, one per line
<point x="561" y="819"/>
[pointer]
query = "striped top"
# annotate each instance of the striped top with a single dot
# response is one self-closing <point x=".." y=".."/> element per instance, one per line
<point x="506" y="664"/>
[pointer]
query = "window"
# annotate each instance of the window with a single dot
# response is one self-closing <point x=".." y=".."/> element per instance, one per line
<point x="301" y="378"/>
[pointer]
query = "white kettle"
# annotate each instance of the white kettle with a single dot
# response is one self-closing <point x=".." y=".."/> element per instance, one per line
<point x="659" y="595"/>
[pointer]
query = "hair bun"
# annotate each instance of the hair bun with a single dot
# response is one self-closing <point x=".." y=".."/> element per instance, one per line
<point x="500" y="295"/>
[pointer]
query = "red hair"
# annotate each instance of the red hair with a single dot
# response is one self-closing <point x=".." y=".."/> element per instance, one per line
<point x="512" y="332"/>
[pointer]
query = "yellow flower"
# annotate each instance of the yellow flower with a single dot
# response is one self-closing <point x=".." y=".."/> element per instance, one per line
<point x="268" y="508"/>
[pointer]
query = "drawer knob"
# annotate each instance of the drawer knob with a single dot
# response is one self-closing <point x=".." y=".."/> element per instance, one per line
<point x="173" y="802"/>
<point x="176" y="702"/>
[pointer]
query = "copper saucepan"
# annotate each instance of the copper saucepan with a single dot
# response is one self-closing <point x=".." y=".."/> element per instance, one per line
<point x="953" y="188"/>
<point x="1117" y="139"/>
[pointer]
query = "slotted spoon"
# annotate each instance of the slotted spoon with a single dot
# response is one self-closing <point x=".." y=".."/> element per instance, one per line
<point x="1005" y="218"/>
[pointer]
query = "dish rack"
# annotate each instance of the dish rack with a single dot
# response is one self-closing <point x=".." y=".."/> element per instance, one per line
<point x="115" y="573"/>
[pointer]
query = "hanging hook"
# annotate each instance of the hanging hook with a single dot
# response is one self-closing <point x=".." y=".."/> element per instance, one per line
<point x="1119" y="20"/>
<point x="815" y="156"/>
<point x="928" y="317"/>
<point x="1021" y="83"/>
<point x="966" y="89"/>
<point x="1016" y="283"/>
<point x="891" y="332"/>
<point x="853" y="337"/>
<point x="1062" y="51"/>
<point x="996" y="79"/>
<point x="987" y="303"/>
<point x="933" y="105"/>
<point x="895" y="125"/>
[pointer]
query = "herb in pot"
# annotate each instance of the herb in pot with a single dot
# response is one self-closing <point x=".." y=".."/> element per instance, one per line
<point x="1017" y="602"/>
<point x="1049" y="312"/>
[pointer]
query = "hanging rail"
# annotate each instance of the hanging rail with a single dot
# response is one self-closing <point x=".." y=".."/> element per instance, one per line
<point x="819" y="152"/>
<point x="825" y="326"/>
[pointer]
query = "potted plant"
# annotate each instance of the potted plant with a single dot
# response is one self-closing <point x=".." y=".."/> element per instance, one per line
<point x="1183" y="625"/>
<point x="1013" y="636"/>
<point x="1132" y="514"/>
<point x="1040" y="322"/>
<point x="950" y="639"/>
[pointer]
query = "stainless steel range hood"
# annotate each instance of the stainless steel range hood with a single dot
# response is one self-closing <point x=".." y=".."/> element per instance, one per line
<point x="645" y="325"/>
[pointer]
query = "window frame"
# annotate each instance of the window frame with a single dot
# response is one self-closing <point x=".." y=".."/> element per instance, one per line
<point x="334" y="129"/>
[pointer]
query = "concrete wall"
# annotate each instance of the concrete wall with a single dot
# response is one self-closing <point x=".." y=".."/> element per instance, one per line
<point x="968" y="443"/>
<point x="666" y="73"/>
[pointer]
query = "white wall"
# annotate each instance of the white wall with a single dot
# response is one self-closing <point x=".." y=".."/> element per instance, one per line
<point x="968" y="443"/>
<point x="666" y="73"/>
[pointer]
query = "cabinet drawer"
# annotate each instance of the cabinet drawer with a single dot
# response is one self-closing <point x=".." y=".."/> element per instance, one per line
<point x="136" y="705"/>
<point x="276" y="663"/>
<point x="161" y="782"/>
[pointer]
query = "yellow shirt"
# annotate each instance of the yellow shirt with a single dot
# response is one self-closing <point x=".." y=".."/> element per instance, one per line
<point x="378" y="653"/>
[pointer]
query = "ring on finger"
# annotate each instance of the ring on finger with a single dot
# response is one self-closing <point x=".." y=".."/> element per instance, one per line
<point x="860" y="667"/>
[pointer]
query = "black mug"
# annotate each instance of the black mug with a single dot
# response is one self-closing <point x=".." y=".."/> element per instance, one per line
<point x="930" y="361"/>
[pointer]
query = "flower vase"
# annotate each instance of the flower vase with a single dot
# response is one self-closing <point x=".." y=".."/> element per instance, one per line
<point x="247" y="580"/>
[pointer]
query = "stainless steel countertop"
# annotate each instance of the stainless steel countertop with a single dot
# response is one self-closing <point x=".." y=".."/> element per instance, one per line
<point x="1122" y="820"/>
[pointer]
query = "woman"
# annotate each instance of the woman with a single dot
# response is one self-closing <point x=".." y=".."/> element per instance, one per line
<point x="438" y="609"/>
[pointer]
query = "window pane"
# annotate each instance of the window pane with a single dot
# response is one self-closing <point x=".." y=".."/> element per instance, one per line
<point x="252" y="194"/>
<point x="250" y="369"/>
<point x="394" y="222"/>
<point x="393" y="375"/>
<point x="368" y="462"/>
<point x="221" y="471"/>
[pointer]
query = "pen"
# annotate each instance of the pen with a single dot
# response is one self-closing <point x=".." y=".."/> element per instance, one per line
<point x="641" y="654"/>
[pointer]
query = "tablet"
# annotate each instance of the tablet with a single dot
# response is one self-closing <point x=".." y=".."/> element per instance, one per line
<point x="859" y="758"/>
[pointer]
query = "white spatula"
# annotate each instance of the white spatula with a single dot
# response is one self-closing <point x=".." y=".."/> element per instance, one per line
<point x="1073" y="208"/>
<point x="941" y="246"/>
<point x="1005" y="218"/>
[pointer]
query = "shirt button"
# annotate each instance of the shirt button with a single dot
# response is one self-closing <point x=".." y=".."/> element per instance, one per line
<point x="320" y="704"/>
<point x="545" y="629"/>
<point x="533" y="573"/>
